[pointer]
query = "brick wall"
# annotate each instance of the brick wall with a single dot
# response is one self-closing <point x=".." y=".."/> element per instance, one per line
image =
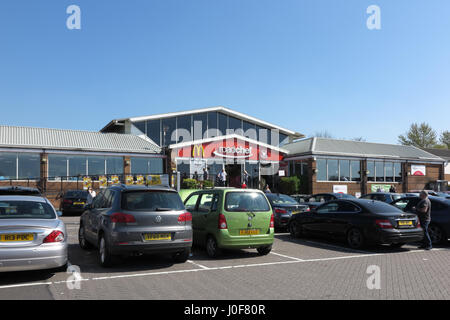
<point x="433" y="172"/>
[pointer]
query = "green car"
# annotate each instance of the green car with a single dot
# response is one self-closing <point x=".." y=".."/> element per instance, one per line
<point x="229" y="218"/>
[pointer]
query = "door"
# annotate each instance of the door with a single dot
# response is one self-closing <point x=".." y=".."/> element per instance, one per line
<point x="191" y="205"/>
<point x="321" y="220"/>
<point x="203" y="213"/>
<point x="346" y="214"/>
<point x="234" y="175"/>
<point x="91" y="215"/>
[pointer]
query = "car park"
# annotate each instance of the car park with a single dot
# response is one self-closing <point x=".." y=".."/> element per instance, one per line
<point x="387" y="197"/>
<point x="134" y="220"/>
<point x="73" y="202"/>
<point x="283" y="208"/>
<point x="360" y="222"/>
<point x="229" y="218"/>
<point x="439" y="228"/>
<point x="32" y="237"/>
<point x="318" y="199"/>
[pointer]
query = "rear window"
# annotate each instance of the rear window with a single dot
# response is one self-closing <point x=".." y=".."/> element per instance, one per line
<point x="381" y="207"/>
<point x="151" y="201"/>
<point x="281" y="199"/>
<point x="246" y="201"/>
<point x="76" y="194"/>
<point x="26" y="210"/>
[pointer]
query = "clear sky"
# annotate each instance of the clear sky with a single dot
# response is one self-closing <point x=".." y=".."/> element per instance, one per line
<point x="307" y="65"/>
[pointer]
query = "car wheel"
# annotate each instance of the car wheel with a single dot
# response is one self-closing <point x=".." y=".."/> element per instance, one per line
<point x="355" y="238"/>
<point x="84" y="244"/>
<point x="263" y="251"/>
<point x="397" y="245"/>
<point x="212" y="248"/>
<point x="295" y="229"/>
<point x="106" y="258"/>
<point x="437" y="235"/>
<point x="182" y="257"/>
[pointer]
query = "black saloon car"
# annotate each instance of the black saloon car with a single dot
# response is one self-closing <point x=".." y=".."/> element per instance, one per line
<point x="318" y="199"/>
<point x="73" y="202"/>
<point x="283" y="208"/>
<point x="439" y="228"/>
<point x="387" y="197"/>
<point x="360" y="222"/>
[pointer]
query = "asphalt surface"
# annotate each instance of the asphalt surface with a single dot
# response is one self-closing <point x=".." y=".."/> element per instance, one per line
<point x="309" y="268"/>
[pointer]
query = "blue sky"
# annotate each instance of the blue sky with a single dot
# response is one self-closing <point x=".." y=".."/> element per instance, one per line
<point x="307" y="65"/>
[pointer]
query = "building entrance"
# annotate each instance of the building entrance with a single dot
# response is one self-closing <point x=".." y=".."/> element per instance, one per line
<point x="233" y="175"/>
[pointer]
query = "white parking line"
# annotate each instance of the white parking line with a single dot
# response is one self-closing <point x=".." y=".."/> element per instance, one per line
<point x="198" y="265"/>
<point x="285" y="256"/>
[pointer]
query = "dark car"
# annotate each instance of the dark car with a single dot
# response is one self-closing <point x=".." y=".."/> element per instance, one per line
<point x="301" y="198"/>
<point x="73" y="202"/>
<point x="383" y="196"/>
<point x="439" y="228"/>
<point x="134" y="220"/>
<point x="283" y="208"/>
<point x="19" y="191"/>
<point x="318" y="199"/>
<point x="360" y="222"/>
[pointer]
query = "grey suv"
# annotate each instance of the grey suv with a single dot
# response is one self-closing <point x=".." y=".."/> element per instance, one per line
<point x="125" y="220"/>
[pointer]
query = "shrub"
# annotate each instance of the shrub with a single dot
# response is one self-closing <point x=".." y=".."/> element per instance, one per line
<point x="208" y="184"/>
<point x="289" y="185"/>
<point x="190" y="184"/>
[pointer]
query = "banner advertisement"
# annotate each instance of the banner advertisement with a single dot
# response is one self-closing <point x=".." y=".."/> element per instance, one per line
<point x="380" y="187"/>
<point x="153" y="180"/>
<point x="115" y="180"/>
<point x="129" y="180"/>
<point x="103" y="182"/>
<point x="140" y="180"/>
<point x="87" y="183"/>
<point x="418" y="170"/>
<point x="340" y="189"/>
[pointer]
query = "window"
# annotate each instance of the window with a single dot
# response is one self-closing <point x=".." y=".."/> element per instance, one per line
<point x="29" y="166"/>
<point x="398" y="172"/>
<point x="389" y="171"/>
<point x="371" y="169"/>
<point x="168" y="131"/>
<point x="191" y="202"/>
<point x="8" y="165"/>
<point x="146" y="165"/>
<point x="57" y="166"/>
<point x="154" y="131"/>
<point x="333" y="170"/>
<point x="184" y="132"/>
<point x="141" y="126"/>
<point x="114" y="165"/>
<point x="199" y="132"/>
<point x="355" y="167"/>
<point x="212" y="125"/>
<point x="283" y="139"/>
<point x="264" y="134"/>
<point x="321" y="170"/>
<point x="348" y="207"/>
<point x="246" y="202"/>
<point x="223" y="124"/>
<point x="205" y="202"/>
<point x="25" y="210"/>
<point x="235" y="124"/>
<point x="77" y="166"/>
<point x="96" y="165"/>
<point x="152" y="201"/>
<point x="249" y="130"/>
<point x="379" y="171"/>
<point x="344" y="170"/>
<point x="328" y="208"/>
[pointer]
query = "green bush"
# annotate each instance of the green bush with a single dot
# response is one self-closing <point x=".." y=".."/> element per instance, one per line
<point x="190" y="184"/>
<point x="289" y="185"/>
<point x="208" y="184"/>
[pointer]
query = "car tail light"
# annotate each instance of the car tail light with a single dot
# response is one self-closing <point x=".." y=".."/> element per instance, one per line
<point x="54" y="236"/>
<point x="222" y="222"/>
<point x="120" y="217"/>
<point x="184" y="217"/>
<point x="418" y="224"/>
<point x="308" y="209"/>
<point x="67" y="201"/>
<point x="384" y="224"/>
<point x="278" y="210"/>
<point x="272" y="222"/>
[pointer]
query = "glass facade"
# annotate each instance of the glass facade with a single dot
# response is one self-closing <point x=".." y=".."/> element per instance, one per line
<point x="146" y="165"/>
<point x="77" y="165"/>
<point x="338" y="170"/>
<point x="384" y="171"/>
<point x="179" y="129"/>
<point x="19" y="165"/>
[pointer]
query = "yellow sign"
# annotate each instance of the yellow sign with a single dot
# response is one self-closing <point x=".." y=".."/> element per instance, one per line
<point x="129" y="180"/>
<point x="198" y="151"/>
<point x="103" y="181"/>
<point x="140" y="180"/>
<point x="153" y="180"/>
<point x="87" y="183"/>
<point x="115" y="179"/>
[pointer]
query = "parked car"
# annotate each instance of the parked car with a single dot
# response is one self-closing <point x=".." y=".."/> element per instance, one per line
<point x="383" y="196"/>
<point x="126" y="220"/>
<point x="32" y="236"/>
<point x="73" y="202"/>
<point x="229" y="218"/>
<point x="318" y="199"/>
<point x="360" y="222"/>
<point x="301" y="198"/>
<point x="19" y="191"/>
<point x="430" y="192"/>
<point x="445" y="195"/>
<point x="283" y="208"/>
<point x="439" y="228"/>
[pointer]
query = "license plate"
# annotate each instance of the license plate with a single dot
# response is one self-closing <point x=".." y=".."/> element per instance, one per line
<point x="78" y="203"/>
<point x="405" y="223"/>
<point x="157" y="236"/>
<point x="248" y="232"/>
<point x="295" y="212"/>
<point x="16" y="237"/>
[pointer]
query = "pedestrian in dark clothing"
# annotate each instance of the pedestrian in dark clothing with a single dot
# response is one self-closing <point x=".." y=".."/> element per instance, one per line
<point x="392" y="189"/>
<point x="205" y="174"/>
<point x="195" y="176"/>
<point x="423" y="210"/>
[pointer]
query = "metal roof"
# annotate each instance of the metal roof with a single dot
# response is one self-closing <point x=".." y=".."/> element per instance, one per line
<point x="443" y="153"/>
<point x="209" y="109"/>
<point x="58" y="139"/>
<point x="349" y="148"/>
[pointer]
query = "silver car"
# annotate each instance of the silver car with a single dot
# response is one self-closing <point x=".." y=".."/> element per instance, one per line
<point x="128" y="220"/>
<point x="32" y="236"/>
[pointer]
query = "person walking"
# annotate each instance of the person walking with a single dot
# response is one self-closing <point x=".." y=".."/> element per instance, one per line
<point x="267" y="189"/>
<point x="423" y="210"/>
<point x="91" y="195"/>
<point x="223" y="178"/>
<point x="205" y="174"/>
<point x="195" y="176"/>
<point x="392" y="189"/>
<point x="245" y="178"/>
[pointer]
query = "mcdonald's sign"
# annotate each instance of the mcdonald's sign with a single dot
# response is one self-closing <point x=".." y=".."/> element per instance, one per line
<point x="198" y="151"/>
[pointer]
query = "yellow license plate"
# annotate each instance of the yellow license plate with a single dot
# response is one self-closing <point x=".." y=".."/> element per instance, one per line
<point x="405" y="223"/>
<point x="78" y="203"/>
<point x="157" y="236"/>
<point x="295" y="212"/>
<point x="16" y="237"/>
<point x="248" y="232"/>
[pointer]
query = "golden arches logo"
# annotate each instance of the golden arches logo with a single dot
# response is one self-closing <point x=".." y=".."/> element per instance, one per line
<point x="198" y="151"/>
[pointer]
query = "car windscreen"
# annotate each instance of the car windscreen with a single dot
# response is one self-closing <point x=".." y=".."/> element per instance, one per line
<point x="344" y="196"/>
<point x="246" y="202"/>
<point x="151" y="201"/>
<point x="25" y="210"/>
<point x="397" y="196"/>
<point x="76" y="194"/>
<point x="281" y="199"/>
<point x="379" y="207"/>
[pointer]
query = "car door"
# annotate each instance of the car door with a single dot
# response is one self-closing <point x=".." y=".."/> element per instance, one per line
<point x="345" y="215"/>
<point x="103" y="206"/>
<point x="320" y="220"/>
<point x="191" y="206"/>
<point x="90" y="214"/>
<point x="203" y="212"/>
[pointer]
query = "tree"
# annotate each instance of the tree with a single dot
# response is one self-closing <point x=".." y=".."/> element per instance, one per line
<point x="323" y="134"/>
<point x="445" y="138"/>
<point x="419" y="135"/>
